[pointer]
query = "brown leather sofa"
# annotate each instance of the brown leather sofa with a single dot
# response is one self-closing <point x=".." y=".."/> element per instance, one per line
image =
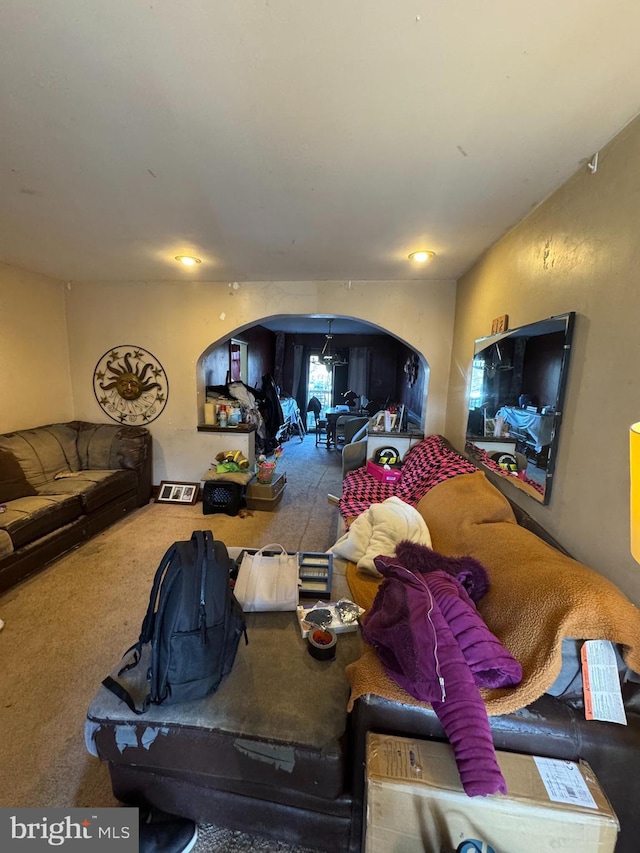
<point x="275" y="751"/>
<point x="62" y="483"/>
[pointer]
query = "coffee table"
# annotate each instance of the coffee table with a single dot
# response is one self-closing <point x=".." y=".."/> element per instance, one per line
<point x="267" y="753"/>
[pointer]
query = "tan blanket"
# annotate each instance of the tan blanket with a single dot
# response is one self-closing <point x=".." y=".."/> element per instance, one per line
<point x="537" y="596"/>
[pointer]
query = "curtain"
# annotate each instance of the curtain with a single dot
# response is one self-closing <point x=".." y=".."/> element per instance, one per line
<point x="358" y="376"/>
<point x="279" y="360"/>
<point x="298" y="352"/>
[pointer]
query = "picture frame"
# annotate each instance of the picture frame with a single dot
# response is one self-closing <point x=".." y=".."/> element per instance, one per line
<point x="238" y="360"/>
<point x="500" y="324"/>
<point x="379" y="421"/>
<point x="175" y="492"/>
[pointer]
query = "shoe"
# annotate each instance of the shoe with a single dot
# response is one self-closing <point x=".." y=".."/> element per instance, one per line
<point x="164" y="833"/>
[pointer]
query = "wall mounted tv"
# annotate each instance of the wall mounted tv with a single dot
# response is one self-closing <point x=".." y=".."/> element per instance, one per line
<point x="518" y="380"/>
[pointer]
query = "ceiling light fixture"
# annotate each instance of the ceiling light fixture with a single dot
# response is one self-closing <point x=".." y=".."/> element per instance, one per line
<point x="421" y="256"/>
<point x="330" y="359"/>
<point x="188" y="260"/>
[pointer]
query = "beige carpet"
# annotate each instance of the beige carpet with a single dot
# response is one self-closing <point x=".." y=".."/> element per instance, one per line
<point x="66" y="627"/>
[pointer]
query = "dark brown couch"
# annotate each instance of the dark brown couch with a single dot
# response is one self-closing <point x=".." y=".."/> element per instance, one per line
<point x="61" y="484"/>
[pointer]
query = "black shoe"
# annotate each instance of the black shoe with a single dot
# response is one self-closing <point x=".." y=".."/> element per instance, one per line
<point x="164" y="833"/>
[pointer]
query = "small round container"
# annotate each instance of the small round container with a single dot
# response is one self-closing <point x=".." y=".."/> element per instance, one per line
<point x="321" y="643"/>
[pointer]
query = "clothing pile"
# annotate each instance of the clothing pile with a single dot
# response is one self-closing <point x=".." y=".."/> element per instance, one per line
<point x="431" y="640"/>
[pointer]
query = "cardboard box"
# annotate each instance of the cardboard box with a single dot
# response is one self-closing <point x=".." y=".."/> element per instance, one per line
<point x="385" y="475"/>
<point x="415" y="802"/>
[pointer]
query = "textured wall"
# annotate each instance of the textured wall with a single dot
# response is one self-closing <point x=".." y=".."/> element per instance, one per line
<point x="35" y="384"/>
<point x="578" y="251"/>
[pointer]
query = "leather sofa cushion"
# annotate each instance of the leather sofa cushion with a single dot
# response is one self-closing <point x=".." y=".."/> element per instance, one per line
<point x="27" y="519"/>
<point x="6" y="545"/>
<point x="43" y="452"/>
<point x="94" y="488"/>
<point x="110" y="446"/>
<point x="13" y="483"/>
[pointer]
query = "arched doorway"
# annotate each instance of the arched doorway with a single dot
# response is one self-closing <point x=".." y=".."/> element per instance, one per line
<point x="388" y="370"/>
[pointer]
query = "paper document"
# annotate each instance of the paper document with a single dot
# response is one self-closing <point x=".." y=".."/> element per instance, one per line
<point x="564" y="782"/>
<point x="601" y="683"/>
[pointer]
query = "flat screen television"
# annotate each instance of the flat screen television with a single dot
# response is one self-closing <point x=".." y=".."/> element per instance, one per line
<point x="518" y="379"/>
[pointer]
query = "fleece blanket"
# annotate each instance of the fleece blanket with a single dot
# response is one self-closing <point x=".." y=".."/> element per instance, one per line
<point x="537" y="596"/>
<point x="378" y="530"/>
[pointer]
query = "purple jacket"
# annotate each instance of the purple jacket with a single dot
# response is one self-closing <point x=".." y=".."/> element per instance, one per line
<point x="432" y="641"/>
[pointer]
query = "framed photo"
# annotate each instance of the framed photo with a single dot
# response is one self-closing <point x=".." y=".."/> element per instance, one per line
<point x="177" y="493"/>
<point x="379" y="423"/>
<point x="238" y="361"/>
<point x="500" y="324"/>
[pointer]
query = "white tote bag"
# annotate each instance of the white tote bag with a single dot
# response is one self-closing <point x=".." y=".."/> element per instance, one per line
<point x="268" y="582"/>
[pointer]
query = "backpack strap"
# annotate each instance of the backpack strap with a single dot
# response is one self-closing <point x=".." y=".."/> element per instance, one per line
<point x="146" y="632"/>
<point x="125" y="696"/>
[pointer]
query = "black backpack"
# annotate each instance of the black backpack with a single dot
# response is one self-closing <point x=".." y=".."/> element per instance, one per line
<point x="193" y="624"/>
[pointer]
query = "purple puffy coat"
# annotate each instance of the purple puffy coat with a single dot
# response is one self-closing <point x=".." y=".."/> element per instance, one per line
<point x="432" y="641"/>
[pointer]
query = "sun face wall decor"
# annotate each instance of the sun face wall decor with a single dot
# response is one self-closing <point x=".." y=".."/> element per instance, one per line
<point x="130" y="385"/>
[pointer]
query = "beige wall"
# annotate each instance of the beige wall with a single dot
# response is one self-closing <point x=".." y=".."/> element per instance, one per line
<point x="579" y="251"/>
<point x="177" y="322"/>
<point x="35" y="384"/>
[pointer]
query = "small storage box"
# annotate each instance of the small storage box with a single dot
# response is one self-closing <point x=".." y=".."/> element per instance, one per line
<point x="222" y="496"/>
<point x="266" y="496"/>
<point x="385" y="475"/>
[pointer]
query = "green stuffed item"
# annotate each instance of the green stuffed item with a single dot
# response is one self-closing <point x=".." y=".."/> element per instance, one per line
<point x="227" y="467"/>
<point x="233" y="456"/>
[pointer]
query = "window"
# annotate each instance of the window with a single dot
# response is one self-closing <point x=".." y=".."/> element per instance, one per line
<point x="476" y="392"/>
<point x="320" y="385"/>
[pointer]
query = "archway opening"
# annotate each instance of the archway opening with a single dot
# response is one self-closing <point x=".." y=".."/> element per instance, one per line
<point x="374" y="369"/>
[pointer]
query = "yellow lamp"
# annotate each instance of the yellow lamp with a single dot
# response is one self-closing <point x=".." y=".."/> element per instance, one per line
<point x="634" y="458"/>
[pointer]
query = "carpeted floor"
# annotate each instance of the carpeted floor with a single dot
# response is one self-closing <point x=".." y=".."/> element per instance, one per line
<point x="66" y="627"/>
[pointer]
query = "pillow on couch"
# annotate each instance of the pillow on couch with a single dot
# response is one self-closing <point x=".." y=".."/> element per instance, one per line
<point x="42" y="452"/>
<point x="537" y="596"/>
<point x="13" y="483"/>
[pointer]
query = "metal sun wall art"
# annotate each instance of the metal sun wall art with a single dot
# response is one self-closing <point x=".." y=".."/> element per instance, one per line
<point x="130" y="385"/>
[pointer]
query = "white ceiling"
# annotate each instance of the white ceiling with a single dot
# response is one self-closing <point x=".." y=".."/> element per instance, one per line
<point x="296" y="139"/>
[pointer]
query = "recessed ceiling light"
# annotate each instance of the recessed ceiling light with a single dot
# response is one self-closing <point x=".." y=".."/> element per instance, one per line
<point x="187" y="260"/>
<point x="422" y="256"/>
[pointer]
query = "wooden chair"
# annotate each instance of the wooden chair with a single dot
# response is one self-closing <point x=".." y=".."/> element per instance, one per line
<point x="315" y="407"/>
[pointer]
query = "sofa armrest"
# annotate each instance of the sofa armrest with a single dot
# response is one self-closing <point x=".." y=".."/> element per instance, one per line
<point x="353" y="456"/>
<point x="113" y="446"/>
